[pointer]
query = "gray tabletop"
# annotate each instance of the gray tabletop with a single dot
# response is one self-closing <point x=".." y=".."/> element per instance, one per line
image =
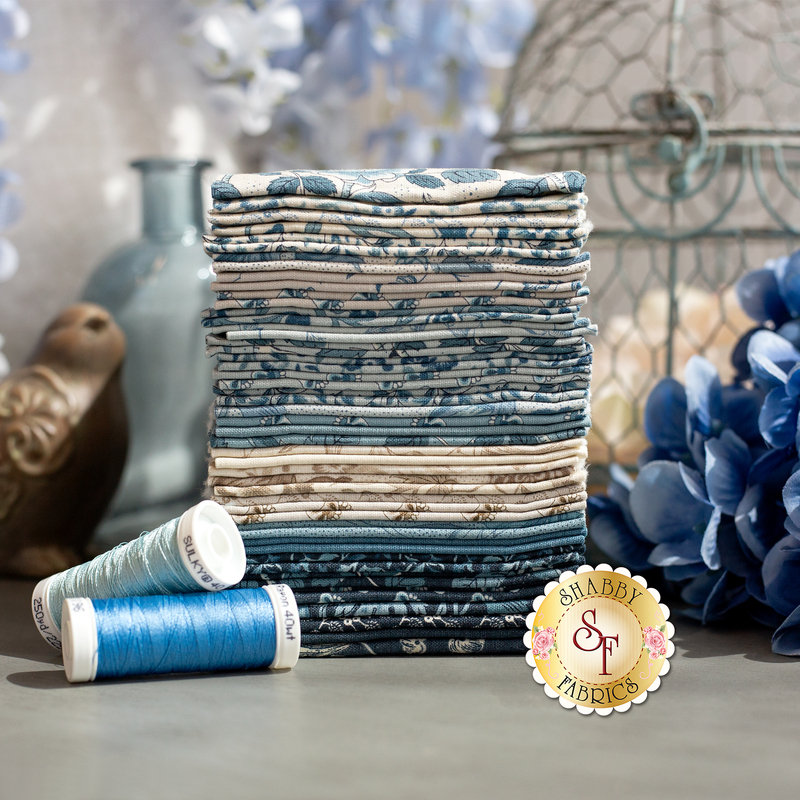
<point x="725" y="723"/>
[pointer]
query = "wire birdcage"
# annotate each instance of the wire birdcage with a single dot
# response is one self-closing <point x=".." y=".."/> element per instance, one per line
<point x="685" y="117"/>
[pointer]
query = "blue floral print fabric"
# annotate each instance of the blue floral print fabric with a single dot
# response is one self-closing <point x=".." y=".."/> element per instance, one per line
<point x="417" y="646"/>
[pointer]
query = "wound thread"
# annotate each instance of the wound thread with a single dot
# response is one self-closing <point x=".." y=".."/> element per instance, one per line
<point x="231" y="630"/>
<point x="202" y="549"/>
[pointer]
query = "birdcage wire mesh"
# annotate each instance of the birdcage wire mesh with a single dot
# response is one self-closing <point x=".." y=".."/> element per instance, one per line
<point x="684" y="117"/>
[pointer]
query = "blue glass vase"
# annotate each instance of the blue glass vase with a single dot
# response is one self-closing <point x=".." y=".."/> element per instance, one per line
<point x="156" y="288"/>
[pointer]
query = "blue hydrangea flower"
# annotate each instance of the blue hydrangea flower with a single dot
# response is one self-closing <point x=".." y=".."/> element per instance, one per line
<point x="718" y="494"/>
<point x="772" y="294"/>
<point x="614" y="530"/>
<point x="708" y="497"/>
<point x="775" y="364"/>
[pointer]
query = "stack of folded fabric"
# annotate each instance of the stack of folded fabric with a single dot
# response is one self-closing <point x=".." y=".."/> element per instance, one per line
<point x="402" y="386"/>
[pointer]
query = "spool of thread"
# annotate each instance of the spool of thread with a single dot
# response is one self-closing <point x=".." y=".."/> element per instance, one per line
<point x="237" y="629"/>
<point x="201" y="549"/>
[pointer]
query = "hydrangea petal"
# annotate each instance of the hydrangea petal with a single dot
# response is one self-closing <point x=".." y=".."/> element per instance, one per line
<point x="708" y="548"/>
<point x="755" y="587"/>
<point x="767" y="371"/>
<point x="732" y="555"/>
<point x="778" y="418"/>
<point x="791" y="528"/>
<point x="739" y="355"/>
<point x="619" y="490"/>
<point x="696" y="442"/>
<point x="728" y="593"/>
<point x="781" y="573"/>
<point x="760" y="297"/>
<point x="793" y="381"/>
<point x="610" y="533"/>
<point x="620" y="475"/>
<point x="764" y="615"/>
<point x="665" y="415"/>
<point x="787" y="273"/>
<point x="727" y="465"/>
<point x="693" y="481"/>
<point x="653" y="454"/>
<point x="771" y="357"/>
<point x="696" y="592"/>
<point x="786" y="640"/>
<point x="599" y="504"/>
<point x="766" y="466"/>
<point x="683" y="572"/>
<point x="758" y="520"/>
<point x="675" y="554"/>
<point x="663" y="508"/>
<point x="791" y="497"/>
<point x="703" y="394"/>
<point x="791" y="332"/>
<point x="740" y="409"/>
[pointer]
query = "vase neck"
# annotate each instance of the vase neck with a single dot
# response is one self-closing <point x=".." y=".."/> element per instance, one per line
<point x="172" y="203"/>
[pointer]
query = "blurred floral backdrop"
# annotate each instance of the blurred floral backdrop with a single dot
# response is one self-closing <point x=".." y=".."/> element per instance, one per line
<point x="14" y="25"/>
<point x="422" y="75"/>
<point x="250" y="84"/>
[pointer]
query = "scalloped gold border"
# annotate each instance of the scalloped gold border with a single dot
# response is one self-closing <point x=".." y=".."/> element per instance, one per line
<point x="546" y="681"/>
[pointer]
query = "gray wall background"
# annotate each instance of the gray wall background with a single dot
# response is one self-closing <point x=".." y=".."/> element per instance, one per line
<point x="108" y="81"/>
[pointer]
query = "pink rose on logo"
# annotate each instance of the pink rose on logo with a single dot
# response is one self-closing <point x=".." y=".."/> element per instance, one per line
<point x="542" y="641"/>
<point x="655" y="641"/>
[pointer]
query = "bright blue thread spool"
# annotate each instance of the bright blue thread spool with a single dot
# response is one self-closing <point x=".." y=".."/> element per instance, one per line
<point x="237" y="629"/>
<point x="202" y="549"/>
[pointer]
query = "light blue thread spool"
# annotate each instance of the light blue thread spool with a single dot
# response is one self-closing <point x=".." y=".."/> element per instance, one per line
<point x="237" y="629"/>
<point x="202" y="549"/>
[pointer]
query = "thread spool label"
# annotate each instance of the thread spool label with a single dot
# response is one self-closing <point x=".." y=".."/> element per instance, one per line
<point x="43" y="619"/>
<point x="52" y="638"/>
<point x="287" y="625"/>
<point x="291" y="625"/>
<point x="190" y="557"/>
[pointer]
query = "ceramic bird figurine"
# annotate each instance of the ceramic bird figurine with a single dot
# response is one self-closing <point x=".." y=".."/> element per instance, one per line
<point x="63" y="440"/>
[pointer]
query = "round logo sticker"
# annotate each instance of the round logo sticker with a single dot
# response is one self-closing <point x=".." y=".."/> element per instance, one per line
<point x="599" y="639"/>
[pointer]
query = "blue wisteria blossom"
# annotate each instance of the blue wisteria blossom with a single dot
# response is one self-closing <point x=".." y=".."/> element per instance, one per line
<point x="296" y="67"/>
<point x="715" y="507"/>
<point x="14" y="25"/>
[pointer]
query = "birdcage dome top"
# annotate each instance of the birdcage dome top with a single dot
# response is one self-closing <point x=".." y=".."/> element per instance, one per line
<point x="620" y="67"/>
